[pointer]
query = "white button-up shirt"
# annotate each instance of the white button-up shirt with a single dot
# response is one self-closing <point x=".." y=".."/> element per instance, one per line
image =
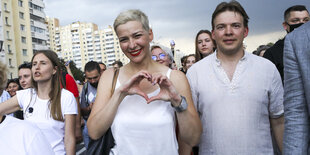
<point x="235" y="114"/>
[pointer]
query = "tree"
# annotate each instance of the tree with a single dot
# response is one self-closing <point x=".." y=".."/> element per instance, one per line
<point x="77" y="73"/>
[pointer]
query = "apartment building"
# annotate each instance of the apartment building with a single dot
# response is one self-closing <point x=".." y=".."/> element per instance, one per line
<point x="111" y="48"/>
<point x="2" y="52"/>
<point x="16" y="34"/>
<point x="82" y="42"/>
<point x="39" y="32"/>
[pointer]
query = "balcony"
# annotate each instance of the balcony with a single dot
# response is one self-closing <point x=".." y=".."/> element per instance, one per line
<point x="38" y="2"/>
<point x="39" y="24"/>
<point x="39" y="47"/>
<point x="10" y="52"/>
<point x="41" y="36"/>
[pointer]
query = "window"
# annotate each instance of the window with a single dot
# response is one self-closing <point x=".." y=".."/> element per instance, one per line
<point x="22" y="27"/>
<point x="23" y="39"/>
<point x="9" y="49"/>
<point x="7" y="20"/>
<point x="10" y="62"/>
<point x="8" y="35"/>
<point x="5" y="7"/>
<point x="20" y="3"/>
<point x="24" y="52"/>
<point x="21" y="15"/>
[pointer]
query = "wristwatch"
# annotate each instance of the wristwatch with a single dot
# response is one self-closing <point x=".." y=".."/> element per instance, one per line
<point x="182" y="106"/>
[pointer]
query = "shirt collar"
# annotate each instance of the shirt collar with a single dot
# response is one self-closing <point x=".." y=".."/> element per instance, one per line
<point x="218" y="62"/>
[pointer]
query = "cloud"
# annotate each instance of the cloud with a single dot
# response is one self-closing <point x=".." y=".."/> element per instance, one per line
<point x="173" y="19"/>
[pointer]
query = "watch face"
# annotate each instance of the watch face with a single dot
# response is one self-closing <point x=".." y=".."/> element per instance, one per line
<point x="182" y="106"/>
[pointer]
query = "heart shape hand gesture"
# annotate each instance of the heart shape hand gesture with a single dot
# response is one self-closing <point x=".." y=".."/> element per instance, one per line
<point x="167" y="90"/>
<point x="131" y="87"/>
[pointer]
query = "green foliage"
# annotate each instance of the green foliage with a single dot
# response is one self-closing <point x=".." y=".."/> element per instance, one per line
<point x="77" y="73"/>
<point x="270" y="44"/>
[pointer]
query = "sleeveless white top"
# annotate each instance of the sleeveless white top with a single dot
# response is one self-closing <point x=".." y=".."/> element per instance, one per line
<point x="144" y="129"/>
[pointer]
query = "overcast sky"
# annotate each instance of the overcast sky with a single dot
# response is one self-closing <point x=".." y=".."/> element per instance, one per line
<point x="179" y="20"/>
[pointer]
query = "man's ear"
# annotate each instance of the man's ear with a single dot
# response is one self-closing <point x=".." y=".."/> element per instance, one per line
<point x="286" y="26"/>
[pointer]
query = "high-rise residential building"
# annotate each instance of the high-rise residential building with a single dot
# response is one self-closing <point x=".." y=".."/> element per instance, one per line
<point x="111" y="47"/>
<point x="17" y="39"/>
<point x="39" y="32"/>
<point x="53" y="24"/>
<point x="82" y="42"/>
<point x="2" y="53"/>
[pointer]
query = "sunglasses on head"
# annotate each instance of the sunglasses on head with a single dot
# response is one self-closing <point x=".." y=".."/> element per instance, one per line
<point x="161" y="56"/>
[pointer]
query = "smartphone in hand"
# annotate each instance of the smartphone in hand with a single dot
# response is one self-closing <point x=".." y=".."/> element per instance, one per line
<point x="67" y="63"/>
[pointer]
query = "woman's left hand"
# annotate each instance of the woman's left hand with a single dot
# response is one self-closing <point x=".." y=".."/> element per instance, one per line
<point x="167" y="90"/>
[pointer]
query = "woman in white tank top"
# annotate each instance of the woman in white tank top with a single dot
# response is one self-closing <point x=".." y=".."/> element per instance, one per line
<point x="148" y="95"/>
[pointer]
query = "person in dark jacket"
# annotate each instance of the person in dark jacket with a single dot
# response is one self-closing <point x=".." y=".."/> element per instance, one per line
<point x="293" y="18"/>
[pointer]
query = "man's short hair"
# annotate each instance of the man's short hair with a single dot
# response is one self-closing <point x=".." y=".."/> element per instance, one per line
<point x="230" y="6"/>
<point x="92" y="65"/>
<point x="26" y="65"/>
<point x="293" y="8"/>
<point x="119" y="63"/>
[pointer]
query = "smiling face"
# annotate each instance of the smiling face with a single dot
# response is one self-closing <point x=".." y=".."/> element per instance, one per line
<point x="205" y="44"/>
<point x="42" y="68"/>
<point x="161" y="56"/>
<point x="12" y="88"/>
<point x="134" y="40"/>
<point x="24" y="76"/>
<point x="229" y="32"/>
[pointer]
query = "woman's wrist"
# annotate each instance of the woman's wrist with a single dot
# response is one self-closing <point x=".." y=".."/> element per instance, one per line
<point x="176" y="101"/>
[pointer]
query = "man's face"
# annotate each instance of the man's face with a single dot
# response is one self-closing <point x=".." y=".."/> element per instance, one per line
<point x="102" y="68"/>
<point x="93" y="77"/>
<point x="296" y="17"/>
<point x="229" y="32"/>
<point x="24" y="76"/>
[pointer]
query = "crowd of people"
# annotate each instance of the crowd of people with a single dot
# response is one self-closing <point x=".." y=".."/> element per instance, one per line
<point x="223" y="100"/>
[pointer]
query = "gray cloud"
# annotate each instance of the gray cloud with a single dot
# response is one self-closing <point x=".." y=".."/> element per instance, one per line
<point x="171" y="19"/>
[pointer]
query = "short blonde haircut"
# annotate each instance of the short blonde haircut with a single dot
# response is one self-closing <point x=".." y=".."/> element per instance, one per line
<point x="132" y="15"/>
<point x="3" y="76"/>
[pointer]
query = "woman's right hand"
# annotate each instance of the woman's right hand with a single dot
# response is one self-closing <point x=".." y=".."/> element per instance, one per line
<point x="131" y="87"/>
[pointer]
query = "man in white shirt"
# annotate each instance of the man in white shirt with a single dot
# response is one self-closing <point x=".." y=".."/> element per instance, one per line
<point x="239" y="96"/>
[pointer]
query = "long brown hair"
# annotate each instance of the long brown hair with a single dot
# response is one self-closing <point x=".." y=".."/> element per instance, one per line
<point x="55" y="92"/>
<point x="198" y="55"/>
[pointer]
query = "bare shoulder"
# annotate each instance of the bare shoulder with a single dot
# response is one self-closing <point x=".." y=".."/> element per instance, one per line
<point x="177" y="76"/>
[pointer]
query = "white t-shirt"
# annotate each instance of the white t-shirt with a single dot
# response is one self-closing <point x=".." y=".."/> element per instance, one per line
<point x="19" y="137"/>
<point x="235" y="114"/>
<point x="53" y="130"/>
<point x="144" y="129"/>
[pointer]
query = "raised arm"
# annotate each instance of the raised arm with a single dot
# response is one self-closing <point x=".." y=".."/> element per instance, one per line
<point x="9" y="106"/>
<point x="296" y="132"/>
